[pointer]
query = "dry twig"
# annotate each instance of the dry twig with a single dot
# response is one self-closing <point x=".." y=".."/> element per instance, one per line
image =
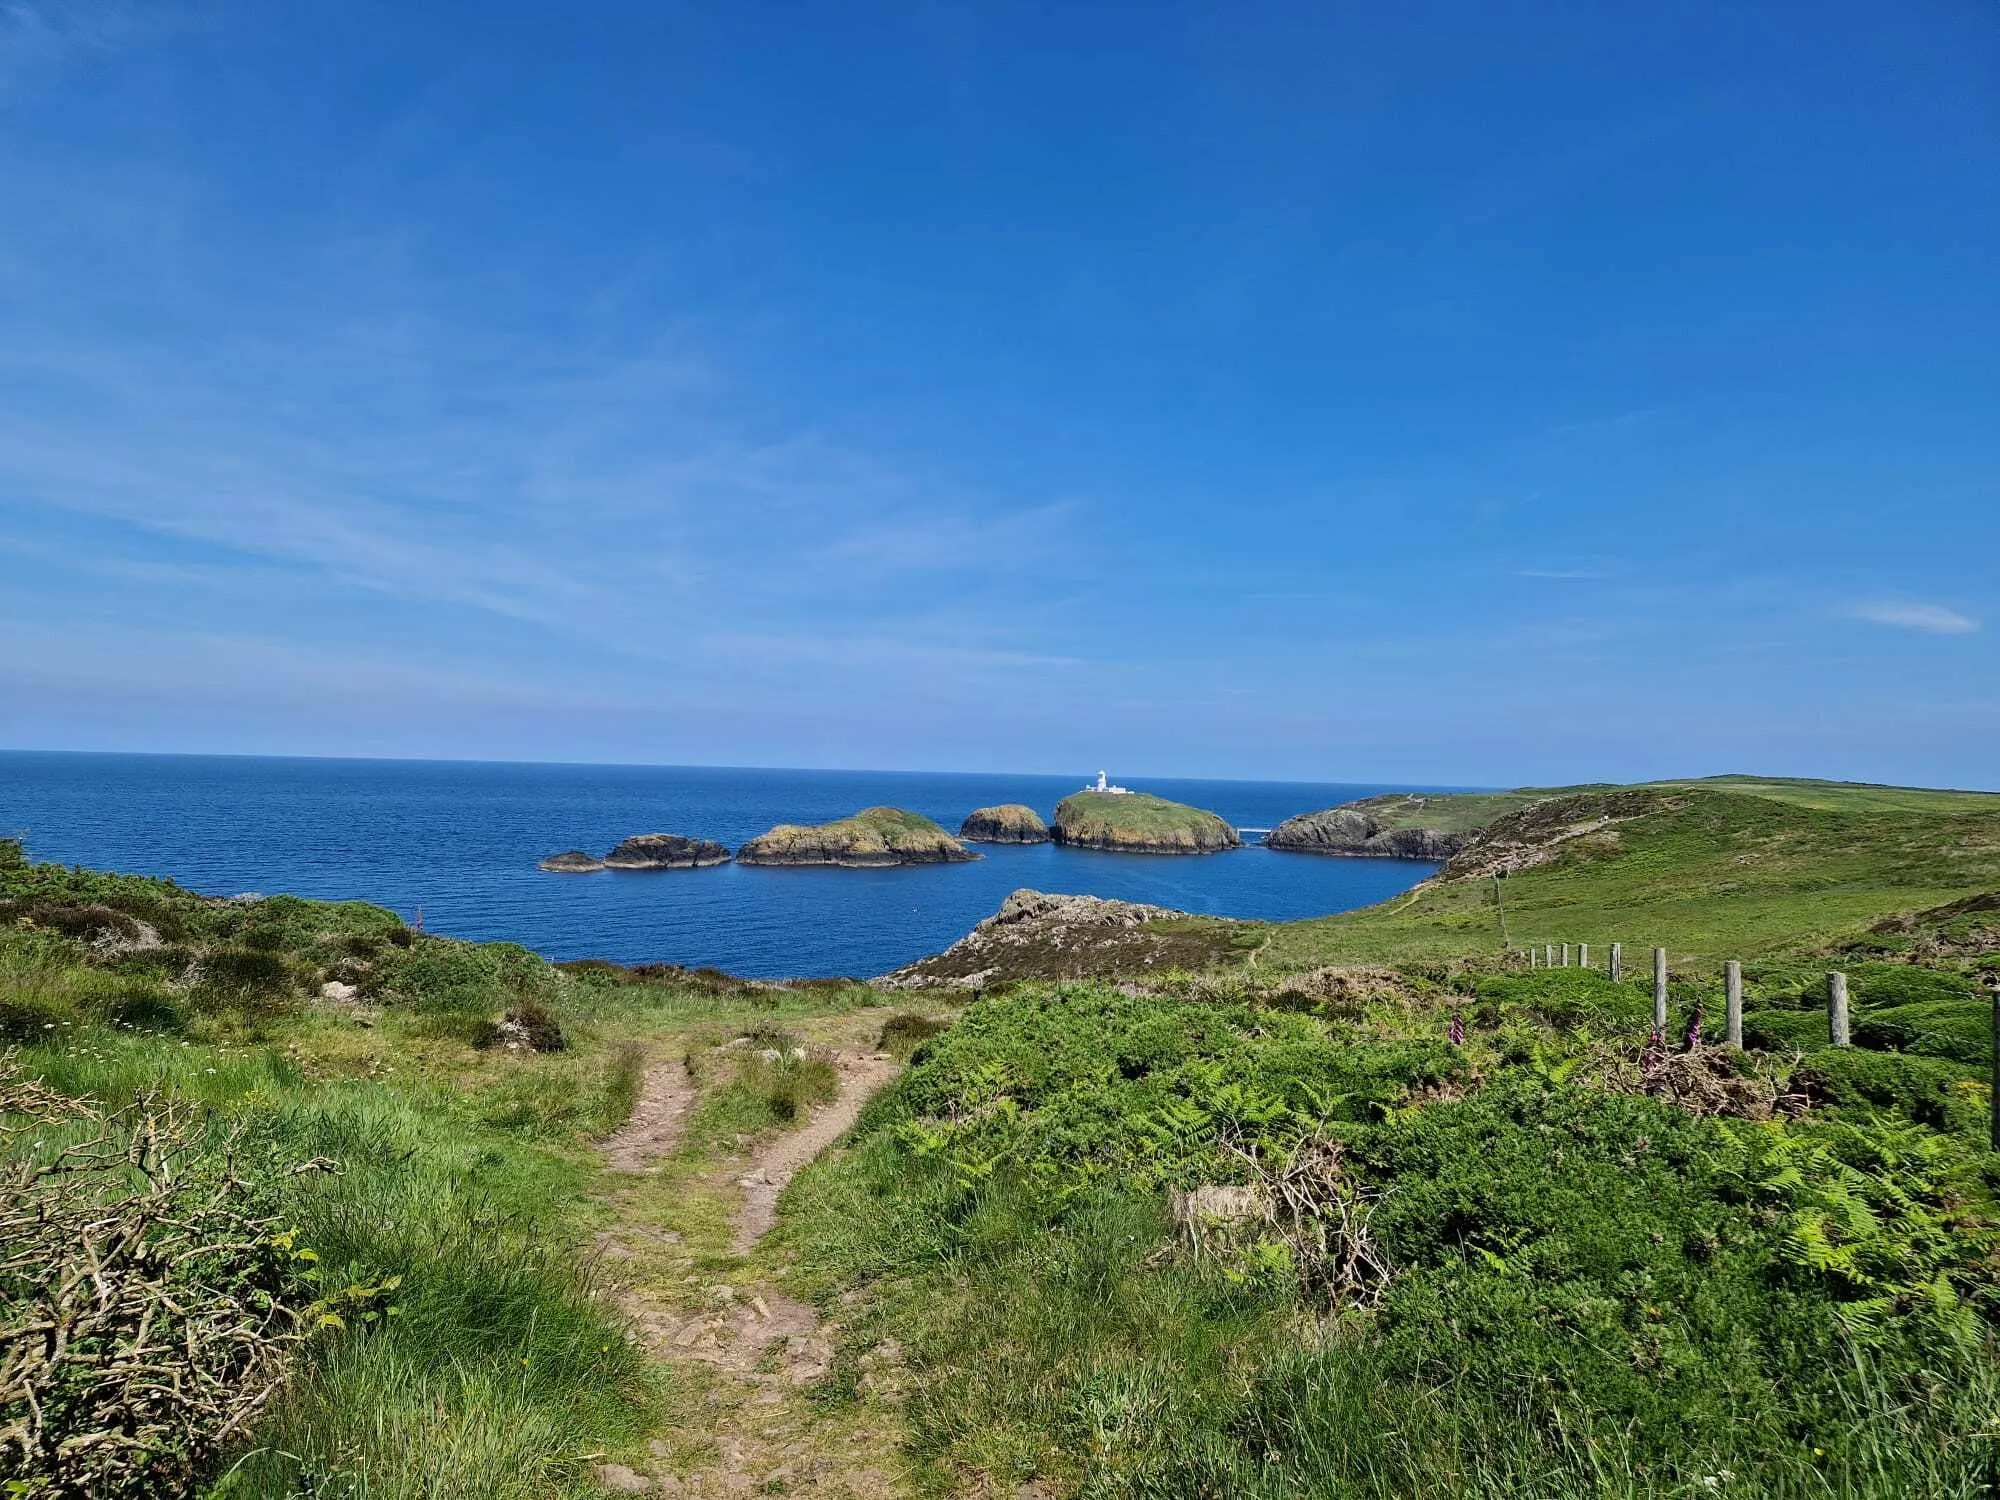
<point x="142" y="1316"/>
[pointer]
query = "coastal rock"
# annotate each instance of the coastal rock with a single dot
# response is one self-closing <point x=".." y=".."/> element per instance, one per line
<point x="873" y="837"/>
<point x="1136" y="823"/>
<point x="1350" y="831"/>
<point x="665" y="851"/>
<point x="1036" y="935"/>
<point x="571" y="862"/>
<point x="1009" y="823"/>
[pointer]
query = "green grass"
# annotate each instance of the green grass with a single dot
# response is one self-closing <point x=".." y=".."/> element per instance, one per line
<point x="1708" y="874"/>
<point x="1135" y="818"/>
<point x="1466" y="812"/>
<point x="465" y="1176"/>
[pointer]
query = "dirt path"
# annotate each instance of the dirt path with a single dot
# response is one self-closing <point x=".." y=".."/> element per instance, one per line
<point x="781" y="1160"/>
<point x="658" y="1118"/>
<point x="757" y="1430"/>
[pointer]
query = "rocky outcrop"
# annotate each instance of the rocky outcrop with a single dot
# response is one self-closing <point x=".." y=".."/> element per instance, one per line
<point x="1135" y="823"/>
<point x="643" y="851"/>
<point x="1350" y="831"/>
<point x="874" y="837"/>
<point x="1009" y="823"/>
<point x="665" y="851"/>
<point x="1036" y="935"/>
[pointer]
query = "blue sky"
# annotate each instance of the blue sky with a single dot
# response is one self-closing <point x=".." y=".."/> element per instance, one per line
<point x="1437" y="392"/>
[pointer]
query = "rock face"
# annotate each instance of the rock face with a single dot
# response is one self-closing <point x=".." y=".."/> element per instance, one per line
<point x="665" y="851"/>
<point x="1009" y="823"/>
<point x="874" y="837"/>
<point x="1134" y="823"/>
<point x="572" y="862"/>
<point x="1035" y="935"/>
<point x="1350" y="831"/>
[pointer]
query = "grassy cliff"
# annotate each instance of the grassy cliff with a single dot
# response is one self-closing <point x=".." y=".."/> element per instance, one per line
<point x="1709" y="872"/>
<point x="873" y="836"/>
<point x="1137" y="823"/>
<point x="1468" y="812"/>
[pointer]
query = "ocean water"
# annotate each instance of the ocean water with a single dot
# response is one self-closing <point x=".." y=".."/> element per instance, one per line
<point x="455" y="843"/>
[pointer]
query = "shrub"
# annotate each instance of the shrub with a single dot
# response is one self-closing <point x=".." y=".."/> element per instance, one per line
<point x="140" y="1005"/>
<point x="442" y="974"/>
<point x="1958" y="1029"/>
<point x="1929" y="1090"/>
<point x="790" y="1083"/>
<point x="165" y="1275"/>
<point x="906" y="1031"/>
<point x="527" y="1024"/>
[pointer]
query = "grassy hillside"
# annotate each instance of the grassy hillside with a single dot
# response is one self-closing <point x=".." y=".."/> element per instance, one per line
<point x="1463" y="812"/>
<point x="1707" y="873"/>
<point x="1139" y="822"/>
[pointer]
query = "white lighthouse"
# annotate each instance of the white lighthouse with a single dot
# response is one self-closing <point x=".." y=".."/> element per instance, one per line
<point x="1104" y="785"/>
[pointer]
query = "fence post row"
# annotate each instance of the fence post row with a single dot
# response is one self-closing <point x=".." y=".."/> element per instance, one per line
<point x="1996" y="1062"/>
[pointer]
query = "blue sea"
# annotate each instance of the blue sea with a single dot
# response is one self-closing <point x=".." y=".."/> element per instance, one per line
<point x="455" y="845"/>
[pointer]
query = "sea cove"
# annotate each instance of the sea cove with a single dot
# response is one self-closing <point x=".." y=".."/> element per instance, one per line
<point x="457" y="843"/>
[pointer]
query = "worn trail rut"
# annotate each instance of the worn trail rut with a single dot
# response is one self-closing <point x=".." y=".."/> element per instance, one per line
<point x="773" y="1167"/>
<point x="767" y="1345"/>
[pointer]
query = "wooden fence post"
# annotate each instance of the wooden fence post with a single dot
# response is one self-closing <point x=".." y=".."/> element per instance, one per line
<point x="1565" y="955"/>
<point x="1548" y="955"/>
<point x="1660" y="990"/>
<point x="1836" y="1009"/>
<point x="1996" y="1062"/>
<point x="1617" y="960"/>
<point x="1733" y="1005"/>
<point x="1583" y="955"/>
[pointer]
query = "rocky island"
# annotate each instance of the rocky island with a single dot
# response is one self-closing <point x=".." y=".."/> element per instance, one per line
<point x="571" y="862"/>
<point x="1138" y="823"/>
<point x="643" y="851"/>
<point x="873" y="837"/>
<point x="1358" y="830"/>
<point x="1009" y="823"/>
<point x="665" y="851"/>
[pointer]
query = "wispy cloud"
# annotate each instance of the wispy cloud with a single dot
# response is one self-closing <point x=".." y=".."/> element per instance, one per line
<point x="1566" y="575"/>
<point x="1933" y="619"/>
